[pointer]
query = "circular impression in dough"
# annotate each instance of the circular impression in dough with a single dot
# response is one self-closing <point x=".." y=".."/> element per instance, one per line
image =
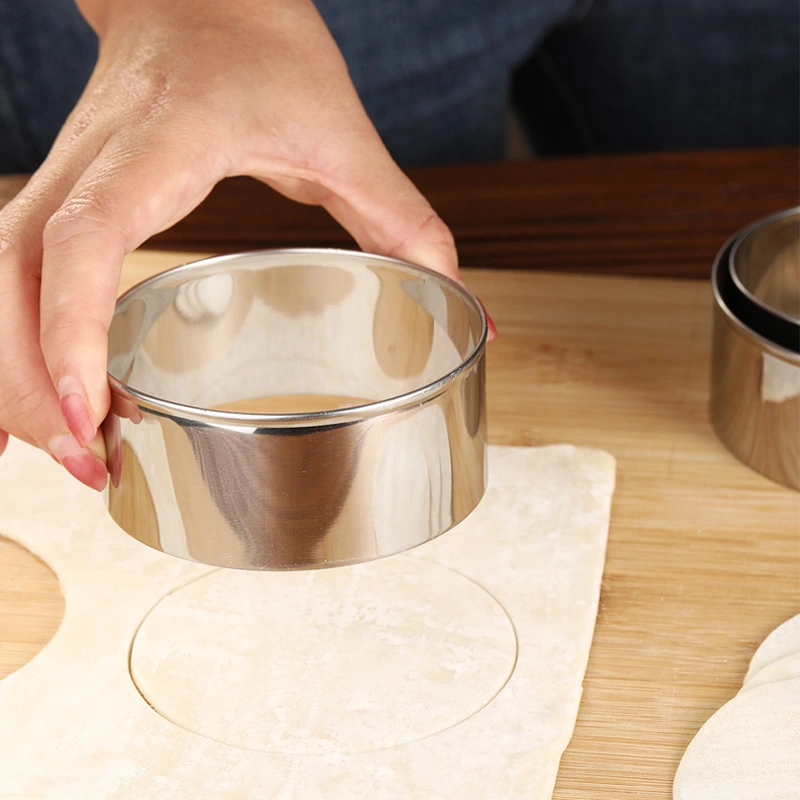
<point x="346" y="660"/>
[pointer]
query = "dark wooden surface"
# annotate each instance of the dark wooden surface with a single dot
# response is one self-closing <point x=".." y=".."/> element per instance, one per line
<point x="656" y="215"/>
<point x="648" y="215"/>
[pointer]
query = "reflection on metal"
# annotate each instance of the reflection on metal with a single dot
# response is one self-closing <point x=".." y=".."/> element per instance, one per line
<point x="295" y="490"/>
<point x="755" y="375"/>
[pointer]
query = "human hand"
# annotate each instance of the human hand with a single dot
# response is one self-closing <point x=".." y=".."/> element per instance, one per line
<point x="184" y="93"/>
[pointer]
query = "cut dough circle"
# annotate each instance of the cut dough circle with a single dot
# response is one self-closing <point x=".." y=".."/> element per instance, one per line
<point x="350" y="660"/>
<point x="783" y="641"/>
<point x="748" y="750"/>
<point x="783" y="669"/>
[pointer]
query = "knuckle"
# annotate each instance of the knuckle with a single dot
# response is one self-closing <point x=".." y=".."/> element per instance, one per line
<point x="80" y="122"/>
<point x="149" y="88"/>
<point x="431" y="228"/>
<point x="65" y="327"/>
<point x="84" y="214"/>
<point x="146" y="92"/>
<point x="77" y="215"/>
<point x="9" y="250"/>
<point x="17" y="278"/>
<point x="68" y="335"/>
<point x="157" y="92"/>
<point x="24" y="397"/>
<point x="435" y="227"/>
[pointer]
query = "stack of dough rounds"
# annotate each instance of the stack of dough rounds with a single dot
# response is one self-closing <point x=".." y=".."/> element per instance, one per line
<point x="750" y="749"/>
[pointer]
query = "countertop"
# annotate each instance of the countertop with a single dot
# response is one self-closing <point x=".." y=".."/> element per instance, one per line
<point x="704" y="554"/>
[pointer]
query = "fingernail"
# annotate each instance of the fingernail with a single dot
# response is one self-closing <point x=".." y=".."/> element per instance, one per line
<point x="88" y="469"/>
<point x="64" y="446"/>
<point x="489" y="322"/>
<point x="84" y="466"/>
<point x="98" y="447"/>
<point x="492" y="328"/>
<point x="76" y="410"/>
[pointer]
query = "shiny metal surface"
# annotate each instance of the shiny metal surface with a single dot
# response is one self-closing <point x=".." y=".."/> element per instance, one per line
<point x="755" y="379"/>
<point x="765" y="264"/>
<point x="295" y="490"/>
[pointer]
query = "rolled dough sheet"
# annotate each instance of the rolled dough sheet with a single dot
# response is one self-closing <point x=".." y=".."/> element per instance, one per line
<point x="453" y="671"/>
<point x="750" y="748"/>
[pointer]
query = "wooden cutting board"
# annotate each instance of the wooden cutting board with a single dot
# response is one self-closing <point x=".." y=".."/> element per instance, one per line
<point x="704" y="554"/>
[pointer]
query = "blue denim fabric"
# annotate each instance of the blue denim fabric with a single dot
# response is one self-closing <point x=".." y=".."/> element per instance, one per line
<point x="47" y="52"/>
<point x="434" y="74"/>
<point x="670" y="74"/>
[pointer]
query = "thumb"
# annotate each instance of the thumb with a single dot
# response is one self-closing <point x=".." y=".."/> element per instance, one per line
<point x="364" y="190"/>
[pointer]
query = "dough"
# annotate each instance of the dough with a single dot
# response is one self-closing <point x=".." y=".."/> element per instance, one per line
<point x="781" y="670"/>
<point x="783" y="641"/>
<point x="336" y="661"/>
<point x="73" y="724"/>
<point x="749" y="749"/>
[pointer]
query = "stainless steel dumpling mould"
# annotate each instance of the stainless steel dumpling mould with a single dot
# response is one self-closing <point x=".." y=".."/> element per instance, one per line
<point x="401" y="463"/>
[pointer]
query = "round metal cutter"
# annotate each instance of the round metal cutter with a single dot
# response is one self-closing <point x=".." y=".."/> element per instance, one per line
<point x="364" y="424"/>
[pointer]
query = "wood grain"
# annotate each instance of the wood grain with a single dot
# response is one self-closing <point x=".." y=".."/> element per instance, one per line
<point x="31" y="606"/>
<point x="657" y="215"/>
<point x="704" y="554"/>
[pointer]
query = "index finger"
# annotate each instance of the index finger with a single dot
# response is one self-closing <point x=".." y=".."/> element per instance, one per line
<point x="124" y="196"/>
